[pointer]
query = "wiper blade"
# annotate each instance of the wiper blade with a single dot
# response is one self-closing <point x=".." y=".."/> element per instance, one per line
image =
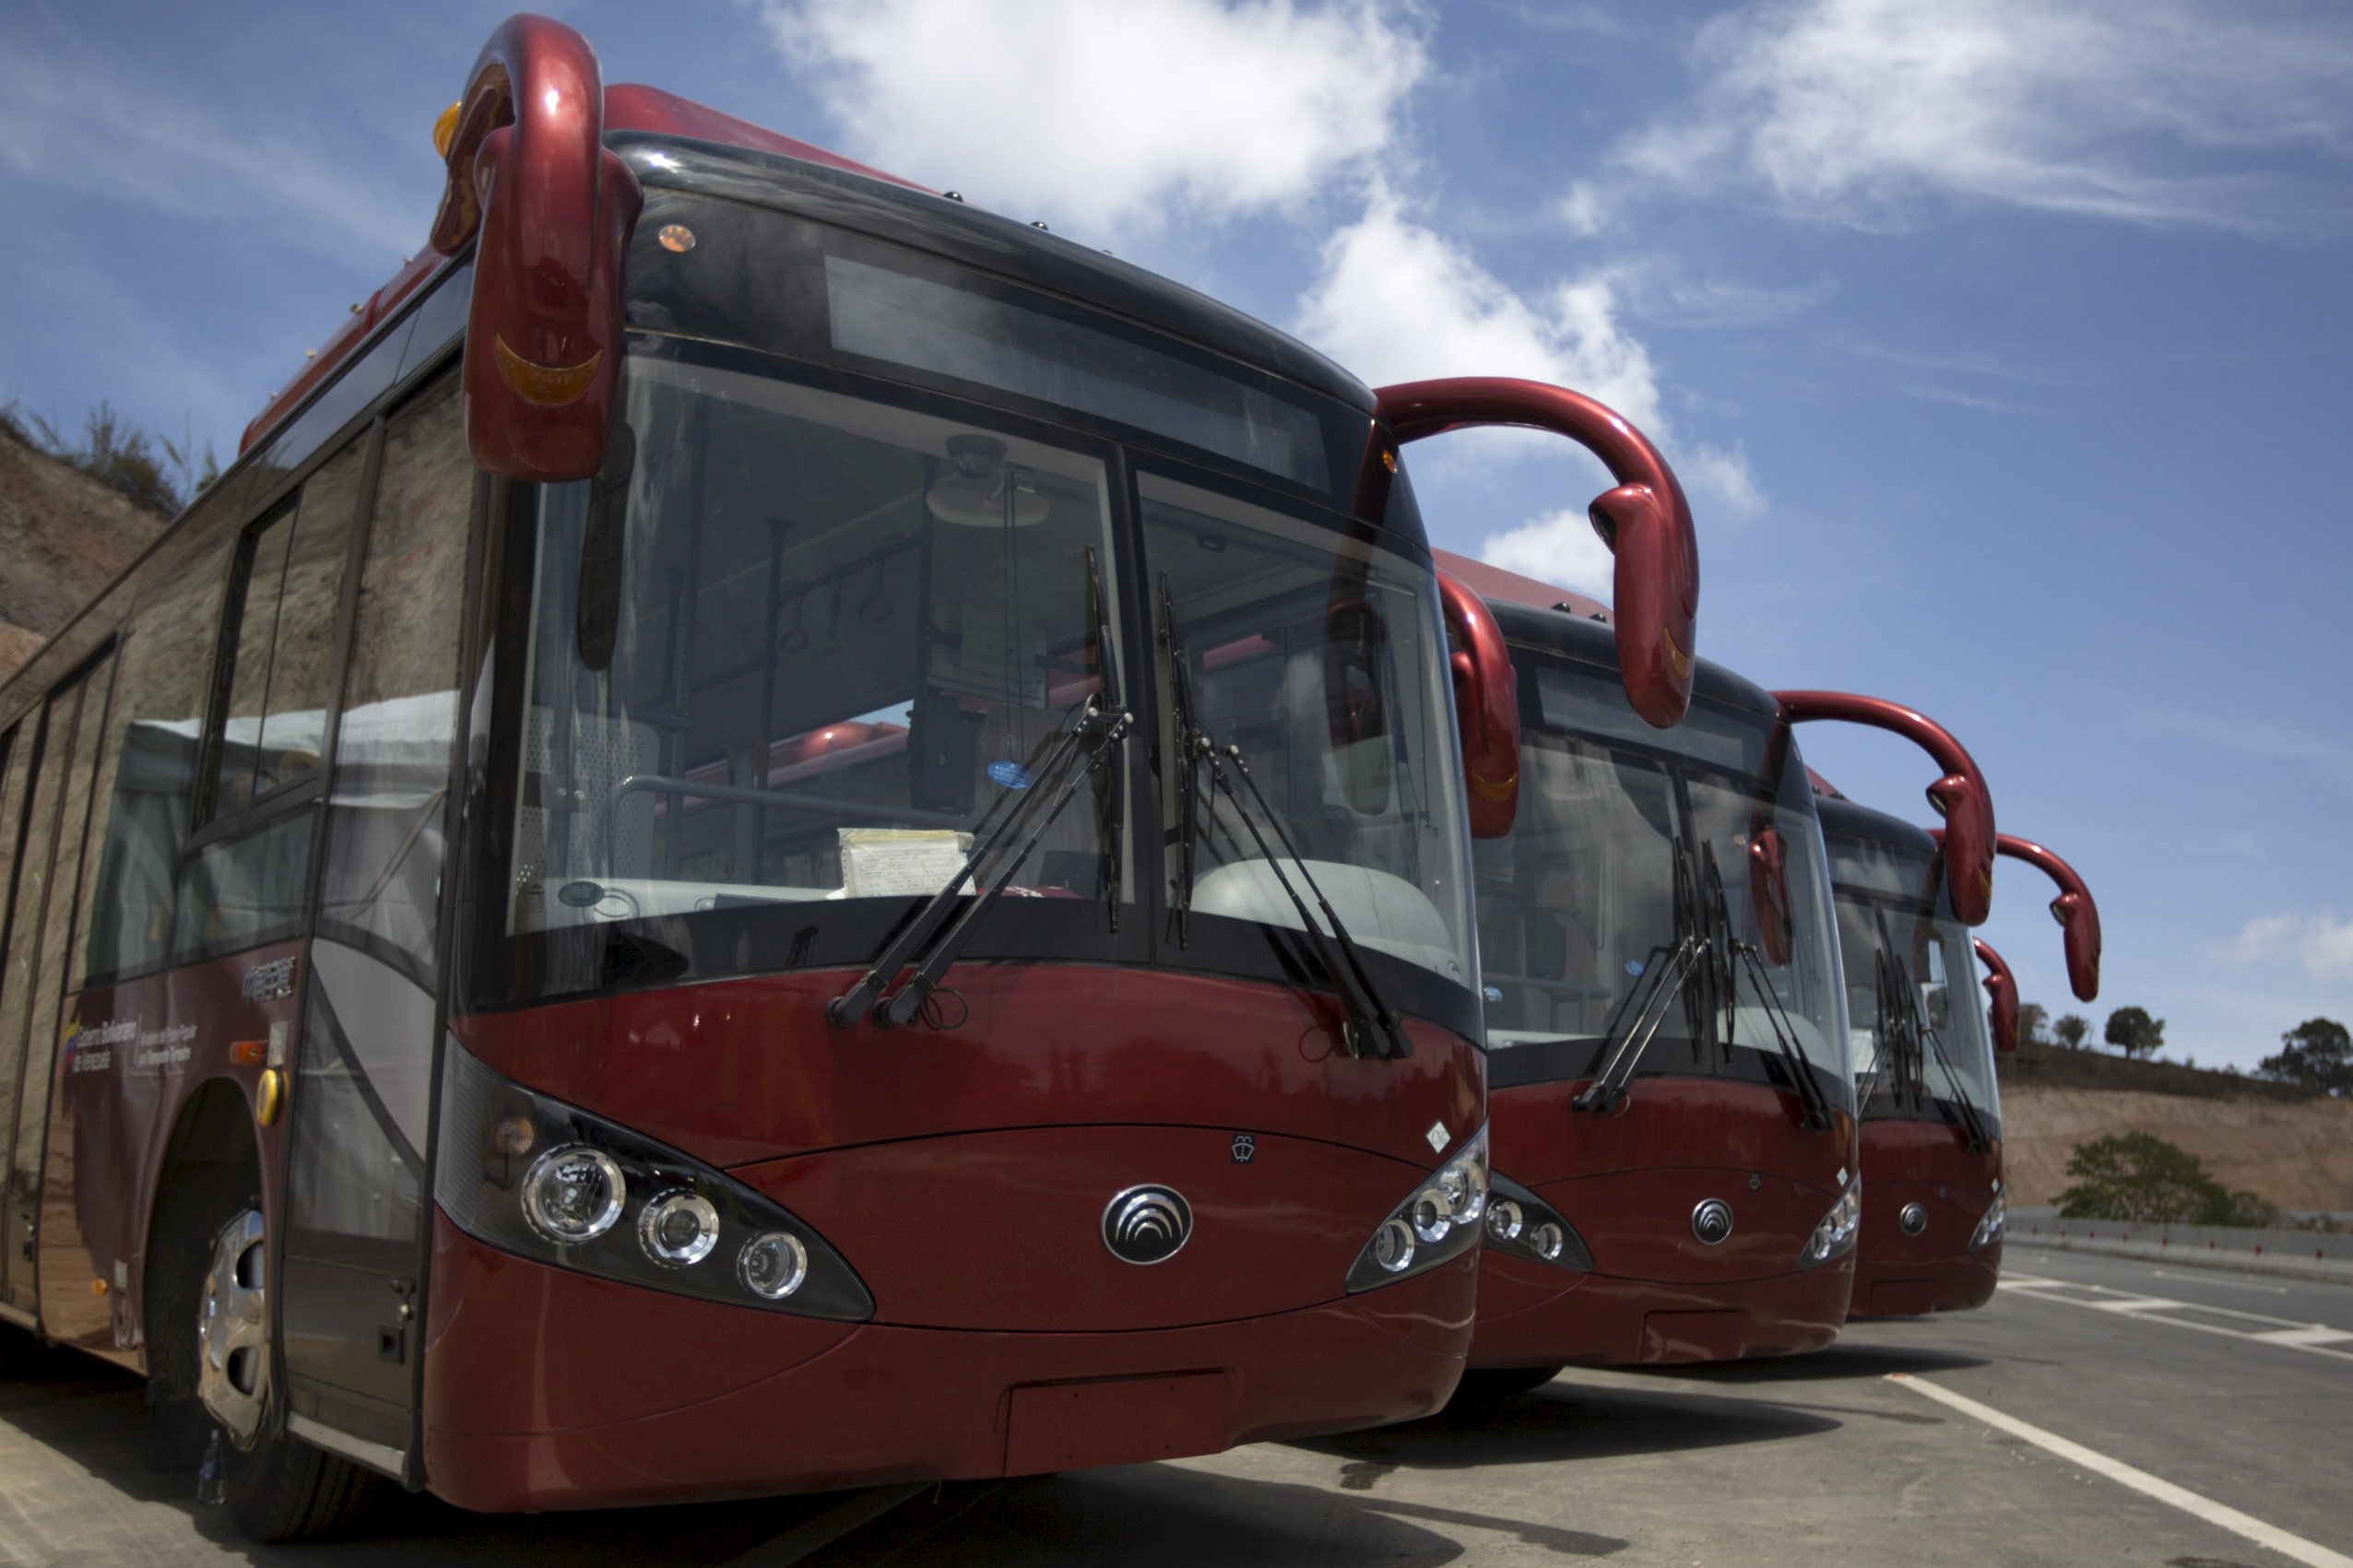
<point x="1742" y="958"/>
<point x="1050" y="762"/>
<point x="1666" y="973"/>
<point x="1972" y="1124"/>
<point x="1371" y="1029"/>
<point x="1111" y="814"/>
<point x="1187" y="759"/>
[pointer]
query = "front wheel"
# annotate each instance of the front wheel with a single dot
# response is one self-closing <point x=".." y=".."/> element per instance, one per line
<point x="278" y="1487"/>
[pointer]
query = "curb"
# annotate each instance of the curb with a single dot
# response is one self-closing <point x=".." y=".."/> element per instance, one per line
<point x="2322" y="1270"/>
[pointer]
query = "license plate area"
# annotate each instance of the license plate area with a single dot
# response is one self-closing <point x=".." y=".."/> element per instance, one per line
<point x="1127" y="1421"/>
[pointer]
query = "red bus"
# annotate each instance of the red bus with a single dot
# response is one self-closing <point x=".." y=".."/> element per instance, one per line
<point x="1933" y="1204"/>
<point x="728" y="911"/>
<point x="1674" y="1154"/>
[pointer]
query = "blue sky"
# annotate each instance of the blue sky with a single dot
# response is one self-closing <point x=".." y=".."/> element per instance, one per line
<point x="2003" y="344"/>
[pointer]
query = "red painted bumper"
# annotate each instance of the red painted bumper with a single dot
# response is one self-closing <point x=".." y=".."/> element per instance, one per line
<point x="1532" y="1316"/>
<point x="1913" y="1286"/>
<point x="548" y="1389"/>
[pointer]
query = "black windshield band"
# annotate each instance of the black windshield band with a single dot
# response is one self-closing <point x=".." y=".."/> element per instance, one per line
<point x="1671" y="1056"/>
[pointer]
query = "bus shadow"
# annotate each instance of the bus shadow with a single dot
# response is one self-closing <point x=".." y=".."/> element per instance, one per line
<point x="1836" y="1362"/>
<point x="1564" y="1421"/>
<point x="1146" y="1515"/>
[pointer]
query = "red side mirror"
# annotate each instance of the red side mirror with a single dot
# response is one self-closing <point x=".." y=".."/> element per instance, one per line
<point x="1768" y="894"/>
<point x="1646" y="522"/>
<point x="2002" y="1012"/>
<point x="1960" y="796"/>
<point x="549" y="212"/>
<point x="2077" y="915"/>
<point x="1486" y="708"/>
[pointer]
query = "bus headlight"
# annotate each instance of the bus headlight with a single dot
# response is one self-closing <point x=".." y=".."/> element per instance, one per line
<point x="1997" y="1220"/>
<point x="1834" y="1235"/>
<point x="1437" y="1223"/>
<point x="606" y="1200"/>
<point x="573" y="1194"/>
<point x="1520" y="1224"/>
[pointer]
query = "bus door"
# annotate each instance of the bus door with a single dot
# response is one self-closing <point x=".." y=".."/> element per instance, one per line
<point x="351" y="1309"/>
<point x="44" y="802"/>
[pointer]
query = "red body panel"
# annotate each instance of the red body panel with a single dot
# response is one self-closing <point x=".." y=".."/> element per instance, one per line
<point x="1930" y="1164"/>
<point x="623" y="1394"/>
<point x="741" y="1071"/>
<point x="963" y="1175"/>
<point x="1628" y="1181"/>
<point x="140" y="1050"/>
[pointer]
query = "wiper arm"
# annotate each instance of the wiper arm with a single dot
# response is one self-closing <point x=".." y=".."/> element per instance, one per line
<point x="1741" y="958"/>
<point x="1973" y="1125"/>
<point x="1188" y="759"/>
<point x="1111" y="816"/>
<point x="1371" y="1027"/>
<point x="1664" y="977"/>
<point x="1094" y="722"/>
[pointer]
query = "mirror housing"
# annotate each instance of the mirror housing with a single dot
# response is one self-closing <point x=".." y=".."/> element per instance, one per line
<point x="549" y="212"/>
<point x="2001" y="1012"/>
<point x="1960" y="797"/>
<point x="2077" y="915"/>
<point x="1486" y="709"/>
<point x="1644" y="521"/>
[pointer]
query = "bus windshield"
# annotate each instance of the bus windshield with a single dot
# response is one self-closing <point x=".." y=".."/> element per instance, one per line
<point x="1630" y="843"/>
<point x="808" y="629"/>
<point x="1920" y="1039"/>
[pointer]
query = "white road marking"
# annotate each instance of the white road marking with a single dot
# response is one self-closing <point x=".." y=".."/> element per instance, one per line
<point x="2212" y="1278"/>
<point x="2315" y="1338"/>
<point x="2246" y="1525"/>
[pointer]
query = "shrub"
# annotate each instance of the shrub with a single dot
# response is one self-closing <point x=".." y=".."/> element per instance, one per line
<point x="2141" y="1178"/>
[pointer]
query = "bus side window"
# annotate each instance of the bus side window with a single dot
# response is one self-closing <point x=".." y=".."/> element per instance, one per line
<point x="148" y="773"/>
<point x="246" y="884"/>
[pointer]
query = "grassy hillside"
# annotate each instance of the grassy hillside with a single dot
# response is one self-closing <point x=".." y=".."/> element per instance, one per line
<point x="2297" y="1153"/>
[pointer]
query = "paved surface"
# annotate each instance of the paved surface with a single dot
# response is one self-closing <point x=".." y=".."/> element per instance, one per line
<point x="2235" y="1392"/>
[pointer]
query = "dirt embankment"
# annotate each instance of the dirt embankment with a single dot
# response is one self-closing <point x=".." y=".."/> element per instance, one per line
<point x="2296" y="1153"/>
<point x="63" y="538"/>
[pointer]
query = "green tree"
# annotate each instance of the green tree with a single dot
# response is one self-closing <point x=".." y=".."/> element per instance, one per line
<point x="2316" y="1055"/>
<point x="2033" y="1019"/>
<point x="2071" y="1029"/>
<point x="2133" y="1031"/>
<point x="2139" y="1177"/>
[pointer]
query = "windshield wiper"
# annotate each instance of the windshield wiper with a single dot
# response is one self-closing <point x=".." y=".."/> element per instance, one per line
<point x="1180" y="704"/>
<point x="1057" y="772"/>
<point x="1907" y="1038"/>
<point x="1371" y="1027"/>
<point x="1742" y="958"/>
<point x="1111" y="814"/>
<point x="1972" y="1124"/>
<point x="1666" y="973"/>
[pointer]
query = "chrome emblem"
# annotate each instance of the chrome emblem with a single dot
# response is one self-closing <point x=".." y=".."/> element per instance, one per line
<point x="1712" y="1220"/>
<point x="1914" y="1219"/>
<point x="1147" y="1224"/>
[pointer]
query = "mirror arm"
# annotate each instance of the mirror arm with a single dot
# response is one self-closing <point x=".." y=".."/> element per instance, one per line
<point x="2002" y="1013"/>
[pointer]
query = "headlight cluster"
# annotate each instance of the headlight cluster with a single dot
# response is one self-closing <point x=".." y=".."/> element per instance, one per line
<point x="536" y="1176"/>
<point x="1835" y="1233"/>
<point x="1997" y="1220"/>
<point x="1438" y="1224"/>
<point x="1520" y="1224"/>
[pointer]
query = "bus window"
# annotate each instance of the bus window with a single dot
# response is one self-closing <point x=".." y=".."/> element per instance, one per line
<point x="382" y="880"/>
<point x="147" y="775"/>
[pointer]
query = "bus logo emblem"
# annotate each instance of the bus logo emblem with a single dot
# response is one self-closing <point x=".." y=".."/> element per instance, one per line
<point x="1711" y="1222"/>
<point x="1147" y="1224"/>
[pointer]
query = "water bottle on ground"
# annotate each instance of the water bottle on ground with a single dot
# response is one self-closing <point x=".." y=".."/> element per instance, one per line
<point x="209" y="1489"/>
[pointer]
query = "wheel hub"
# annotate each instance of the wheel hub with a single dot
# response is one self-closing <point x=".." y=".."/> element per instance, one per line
<point x="232" y="1366"/>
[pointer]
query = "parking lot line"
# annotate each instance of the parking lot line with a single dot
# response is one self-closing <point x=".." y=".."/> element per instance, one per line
<point x="2219" y="1515"/>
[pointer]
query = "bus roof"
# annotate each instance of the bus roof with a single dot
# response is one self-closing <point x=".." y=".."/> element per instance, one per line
<point x="1494" y="583"/>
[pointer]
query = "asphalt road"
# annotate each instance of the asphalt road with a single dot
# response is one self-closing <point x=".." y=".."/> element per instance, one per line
<point x="2229" y="1395"/>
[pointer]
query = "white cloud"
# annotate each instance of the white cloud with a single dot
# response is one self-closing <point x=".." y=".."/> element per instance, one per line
<point x="81" y="122"/>
<point x="2320" y="942"/>
<point x="1108" y="115"/>
<point x="1559" y="547"/>
<point x="1394" y="301"/>
<point x="1861" y="110"/>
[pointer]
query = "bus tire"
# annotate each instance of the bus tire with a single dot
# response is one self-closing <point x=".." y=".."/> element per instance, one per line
<point x="1488" y="1384"/>
<point x="277" y="1487"/>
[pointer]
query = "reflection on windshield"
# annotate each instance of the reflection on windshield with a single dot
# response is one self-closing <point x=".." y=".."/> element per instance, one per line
<point x="791" y="646"/>
<point x="1320" y="657"/>
<point x="1897" y="933"/>
<point x="1578" y="905"/>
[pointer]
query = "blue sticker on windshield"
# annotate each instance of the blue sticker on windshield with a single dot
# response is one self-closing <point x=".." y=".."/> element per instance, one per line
<point x="1634" y="967"/>
<point x="1012" y="776"/>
